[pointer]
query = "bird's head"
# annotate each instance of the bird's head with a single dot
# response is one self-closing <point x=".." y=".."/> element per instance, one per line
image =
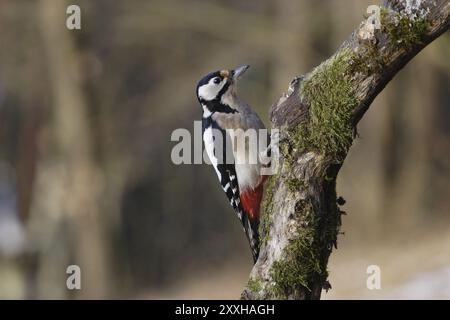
<point x="217" y="84"/>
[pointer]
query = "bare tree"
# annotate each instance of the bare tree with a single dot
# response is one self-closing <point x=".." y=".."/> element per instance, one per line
<point x="317" y="119"/>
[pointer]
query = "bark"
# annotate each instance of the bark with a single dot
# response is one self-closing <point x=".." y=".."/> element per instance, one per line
<point x="317" y="119"/>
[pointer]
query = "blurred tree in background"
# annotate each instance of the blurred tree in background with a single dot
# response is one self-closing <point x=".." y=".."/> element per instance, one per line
<point x="85" y="122"/>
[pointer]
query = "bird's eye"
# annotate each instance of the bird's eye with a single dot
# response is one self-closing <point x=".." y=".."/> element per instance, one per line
<point x="216" y="80"/>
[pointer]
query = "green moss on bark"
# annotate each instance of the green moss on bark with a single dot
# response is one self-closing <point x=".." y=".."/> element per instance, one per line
<point x="301" y="265"/>
<point x="295" y="184"/>
<point x="255" y="286"/>
<point x="328" y="91"/>
<point x="266" y="214"/>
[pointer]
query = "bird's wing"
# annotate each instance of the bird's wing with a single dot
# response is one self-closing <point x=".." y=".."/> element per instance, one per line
<point x="237" y="121"/>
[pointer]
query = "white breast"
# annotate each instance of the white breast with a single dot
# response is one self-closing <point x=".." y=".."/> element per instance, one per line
<point x="248" y="176"/>
<point x="248" y="167"/>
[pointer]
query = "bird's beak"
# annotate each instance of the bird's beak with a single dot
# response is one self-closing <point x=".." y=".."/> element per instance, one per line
<point x="239" y="71"/>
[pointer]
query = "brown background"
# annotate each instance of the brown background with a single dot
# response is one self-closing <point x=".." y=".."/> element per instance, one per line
<point x="85" y="170"/>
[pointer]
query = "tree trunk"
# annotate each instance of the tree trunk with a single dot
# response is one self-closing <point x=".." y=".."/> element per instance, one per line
<point x="317" y="120"/>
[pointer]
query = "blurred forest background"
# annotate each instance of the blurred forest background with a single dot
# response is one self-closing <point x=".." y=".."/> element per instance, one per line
<point x="85" y="171"/>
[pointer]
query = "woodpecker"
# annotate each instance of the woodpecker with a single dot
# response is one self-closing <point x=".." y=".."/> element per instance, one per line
<point x="240" y="178"/>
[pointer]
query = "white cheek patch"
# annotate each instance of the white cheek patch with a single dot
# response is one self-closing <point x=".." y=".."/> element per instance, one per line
<point x="210" y="90"/>
<point x="207" y="92"/>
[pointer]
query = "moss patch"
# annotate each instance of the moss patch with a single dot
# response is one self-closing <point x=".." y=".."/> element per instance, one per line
<point x="301" y="265"/>
<point x="266" y="214"/>
<point x="328" y="91"/>
<point x="295" y="184"/>
<point x="254" y="285"/>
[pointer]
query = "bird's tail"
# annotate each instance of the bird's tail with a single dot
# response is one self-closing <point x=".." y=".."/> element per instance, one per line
<point x="252" y="232"/>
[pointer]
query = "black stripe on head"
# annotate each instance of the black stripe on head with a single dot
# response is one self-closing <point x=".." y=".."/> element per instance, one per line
<point x="208" y="77"/>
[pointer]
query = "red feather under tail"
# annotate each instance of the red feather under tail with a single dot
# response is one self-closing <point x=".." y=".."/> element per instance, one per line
<point x="251" y="201"/>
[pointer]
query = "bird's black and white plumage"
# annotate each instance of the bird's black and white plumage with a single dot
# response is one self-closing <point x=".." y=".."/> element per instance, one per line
<point x="225" y="119"/>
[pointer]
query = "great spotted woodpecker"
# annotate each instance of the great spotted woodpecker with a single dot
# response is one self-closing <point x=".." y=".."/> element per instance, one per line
<point x="240" y="177"/>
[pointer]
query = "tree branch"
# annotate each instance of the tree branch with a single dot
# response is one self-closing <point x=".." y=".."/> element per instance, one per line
<point x="317" y="119"/>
